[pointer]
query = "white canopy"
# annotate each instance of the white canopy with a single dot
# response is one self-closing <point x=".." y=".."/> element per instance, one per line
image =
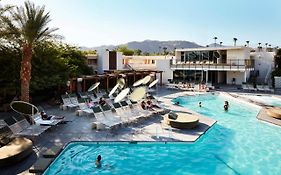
<point x="137" y="94"/>
<point x="113" y="90"/>
<point x="153" y="83"/>
<point x="122" y="95"/>
<point x="94" y="86"/>
<point x="146" y="79"/>
<point x="137" y="83"/>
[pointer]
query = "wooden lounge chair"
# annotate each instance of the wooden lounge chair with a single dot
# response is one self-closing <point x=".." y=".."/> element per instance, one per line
<point x="40" y="165"/>
<point x="182" y="121"/>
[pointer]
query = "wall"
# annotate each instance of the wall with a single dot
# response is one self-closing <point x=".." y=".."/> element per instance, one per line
<point x="238" y="54"/>
<point x="264" y="63"/>
<point x="239" y="76"/>
<point x="164" y="65"/>
<point x="119" y="63"/>
<point x="103" y="62"/>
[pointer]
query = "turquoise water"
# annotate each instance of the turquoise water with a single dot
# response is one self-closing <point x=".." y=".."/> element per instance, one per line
<point x="266" y="99"/>
<point x="237" y="144"/>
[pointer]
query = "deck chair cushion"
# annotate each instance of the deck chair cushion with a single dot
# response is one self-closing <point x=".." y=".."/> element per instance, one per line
<point x="124" y="103"/>
<point x="106" y="107"/>
<point x="116" y="105"/>
<point x="96" y="109"/>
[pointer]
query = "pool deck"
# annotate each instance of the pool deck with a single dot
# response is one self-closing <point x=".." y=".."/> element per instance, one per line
<point x="262" y="115"/>
<point x="78" y="128"/>
<point x="265" y="117"/>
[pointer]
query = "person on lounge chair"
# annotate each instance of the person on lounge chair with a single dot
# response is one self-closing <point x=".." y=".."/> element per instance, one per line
<point x="102" y="101"/>
<point x="45" y="116"/>
<point x="143" y="105"/>
<point x="151" y="105"/>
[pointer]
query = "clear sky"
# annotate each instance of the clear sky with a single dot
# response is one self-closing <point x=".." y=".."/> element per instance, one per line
<point x="98" y="22"/>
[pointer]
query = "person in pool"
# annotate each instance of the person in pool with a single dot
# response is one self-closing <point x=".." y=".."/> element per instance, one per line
<point x="226" y="105"/>
<point x="200" y="104"/>
<point x="98" y="161"/>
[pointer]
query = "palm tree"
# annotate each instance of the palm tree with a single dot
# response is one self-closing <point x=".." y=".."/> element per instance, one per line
<point x="215" y="38"/>
<point x="248" y="43"/>
<point x="266" y="45"/>
<point x="235" y="40"/>
<point x="26" y="25"/>
<point x="221" y="43"/>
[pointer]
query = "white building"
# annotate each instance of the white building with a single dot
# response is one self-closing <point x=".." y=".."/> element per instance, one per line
<point x="216" y="65"/>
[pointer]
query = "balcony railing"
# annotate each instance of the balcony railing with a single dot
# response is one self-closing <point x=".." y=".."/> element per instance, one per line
<point x="230" y="64"/>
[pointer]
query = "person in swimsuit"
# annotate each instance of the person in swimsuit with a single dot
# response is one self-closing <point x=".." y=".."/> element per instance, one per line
<point x="98" y="161"/>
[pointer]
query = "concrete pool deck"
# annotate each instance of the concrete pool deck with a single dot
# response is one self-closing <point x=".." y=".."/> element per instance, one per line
<point x="262" y="115"/>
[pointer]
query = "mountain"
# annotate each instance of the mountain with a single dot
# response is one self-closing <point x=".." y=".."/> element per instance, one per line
<point x="150" y="46"/>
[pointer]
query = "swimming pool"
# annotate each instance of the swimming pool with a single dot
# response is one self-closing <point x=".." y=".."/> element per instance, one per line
<point x="237" y="144"/>
<point x="266" y="99"/>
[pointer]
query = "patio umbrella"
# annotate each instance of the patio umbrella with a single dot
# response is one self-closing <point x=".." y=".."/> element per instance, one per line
<point x="137" y="94"/>
<point x="121" y="82"/>
<point x="137" y="83"/>
<point x="146" y="79"/>
<point x="153" y="83"/>
<point x="122" y="95"/>
<point x="113" y="90"/>
<point x="94" y="86"/>
<point x="24" y="108"/>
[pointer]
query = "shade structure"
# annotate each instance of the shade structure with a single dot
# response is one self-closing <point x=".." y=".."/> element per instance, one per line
<point x="153" y="83"/>
<point x="94" y="86"/>
<point x="137" y="83"/>
<point x="122" y="95"/>
<point x="24" y="108"/>
<point x="113" y="90"/>
<point x="121" y="82"/>
<point x="146" y="79"/>
<point x="137" y="94"/>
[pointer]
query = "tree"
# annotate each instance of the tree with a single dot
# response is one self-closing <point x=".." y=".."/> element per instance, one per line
<point x="235" y="40"/>
<point x="221" y="43"/>
<point x="125" y="50"/>
<point x="165" y="52"/>
<point x="137" y="52"/>
<point x="26" y="25"/>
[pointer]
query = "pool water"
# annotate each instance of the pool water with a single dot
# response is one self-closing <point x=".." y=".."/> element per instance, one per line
<point x="237" y="144"/>
<point x="266" y="99"/>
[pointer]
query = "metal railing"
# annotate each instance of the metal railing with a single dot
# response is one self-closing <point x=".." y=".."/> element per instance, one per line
<point x="239" y="64"/>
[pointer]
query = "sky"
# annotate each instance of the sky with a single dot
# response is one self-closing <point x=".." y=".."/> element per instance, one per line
<point x="103" y="22"/>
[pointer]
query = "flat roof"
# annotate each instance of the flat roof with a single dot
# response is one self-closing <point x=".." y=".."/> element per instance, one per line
<point x="213" y="48"/>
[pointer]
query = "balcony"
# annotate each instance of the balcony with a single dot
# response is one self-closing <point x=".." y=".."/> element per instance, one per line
<point x="230" y="65"/>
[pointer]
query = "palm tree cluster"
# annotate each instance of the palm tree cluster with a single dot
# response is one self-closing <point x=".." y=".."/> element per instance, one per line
<point x="25" y="26"/>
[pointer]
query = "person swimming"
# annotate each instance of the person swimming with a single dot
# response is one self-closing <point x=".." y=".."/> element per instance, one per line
<point x="226" y="105"/>
<point x="200" y="104"/>
<point x="98" y="161"/>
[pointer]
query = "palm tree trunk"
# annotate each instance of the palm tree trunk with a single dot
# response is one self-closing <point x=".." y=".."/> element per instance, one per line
<point x="25" y="73"/>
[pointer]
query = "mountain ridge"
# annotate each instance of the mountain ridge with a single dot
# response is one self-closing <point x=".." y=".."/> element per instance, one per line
<point x="149" y="46"/>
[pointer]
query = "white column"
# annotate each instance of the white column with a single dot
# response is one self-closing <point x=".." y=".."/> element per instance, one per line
<point x="206" y="76"/>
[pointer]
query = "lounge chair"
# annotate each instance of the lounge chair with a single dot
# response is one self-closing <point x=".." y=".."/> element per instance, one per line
<point x="85" y="109"/>
<point x="67" y="102"/>
<point x="20" y="126"/>
<point x="182" y="121"/>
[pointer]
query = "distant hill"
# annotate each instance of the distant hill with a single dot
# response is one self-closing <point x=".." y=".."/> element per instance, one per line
<point x="150" y="46"/>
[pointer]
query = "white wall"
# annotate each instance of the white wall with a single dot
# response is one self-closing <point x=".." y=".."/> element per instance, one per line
<point x="119" y="61"/>
<point x="239" y="76"/>
<point x="238" y="54"/>
<point x="264" y="63"/>
<point x="164" y="65"/>
<point x="103" y="62"/>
